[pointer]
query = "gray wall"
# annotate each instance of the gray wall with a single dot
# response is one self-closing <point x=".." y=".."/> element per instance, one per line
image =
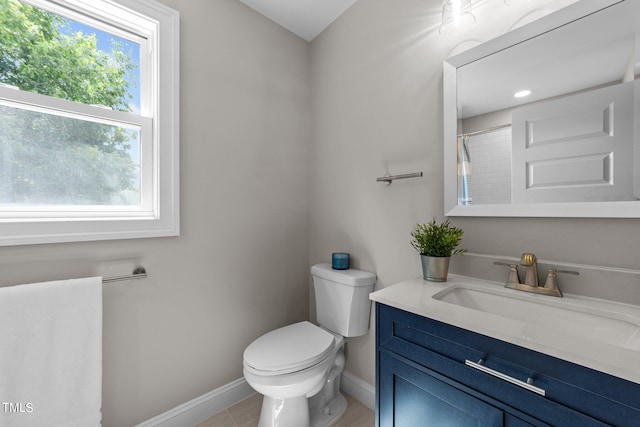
<point x="377" y="108"/>
<point x="240" y="266"/>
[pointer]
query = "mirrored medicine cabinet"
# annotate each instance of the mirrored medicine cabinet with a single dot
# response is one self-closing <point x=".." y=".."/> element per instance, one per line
<point x="567" y="146"/>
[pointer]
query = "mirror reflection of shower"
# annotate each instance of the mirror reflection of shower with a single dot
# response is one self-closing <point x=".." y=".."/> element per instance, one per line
<point x="484" y="166"/>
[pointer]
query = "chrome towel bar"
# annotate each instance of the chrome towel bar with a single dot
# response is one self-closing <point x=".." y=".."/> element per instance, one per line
<point x="388" y="179"/>
<point x="138" y="273"/>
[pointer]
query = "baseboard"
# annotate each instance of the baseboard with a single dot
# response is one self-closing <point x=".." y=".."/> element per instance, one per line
<point x="202" y="407"/>
<point x="359" y="389"/>
<point x="211" y="403"/>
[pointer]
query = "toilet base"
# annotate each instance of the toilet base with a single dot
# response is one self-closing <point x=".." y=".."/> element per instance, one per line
<point x="334" y="410"/>
<point x="297" y="412"/>
<point x="284" y="412"/>
<point x="319" y="410"/>
<point x="329" y="404"/>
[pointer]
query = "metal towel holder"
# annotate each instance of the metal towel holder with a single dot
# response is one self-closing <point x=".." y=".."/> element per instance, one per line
<point x="138" y="273"/>
<point x="388" y="179"/>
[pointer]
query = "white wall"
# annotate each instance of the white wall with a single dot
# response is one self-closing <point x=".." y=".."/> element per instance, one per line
<point x="376" y="109"/>
<point x="240" y="267"/>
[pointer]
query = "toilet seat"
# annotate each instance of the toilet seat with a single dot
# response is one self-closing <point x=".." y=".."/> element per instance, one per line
<point x="288" y="349"/>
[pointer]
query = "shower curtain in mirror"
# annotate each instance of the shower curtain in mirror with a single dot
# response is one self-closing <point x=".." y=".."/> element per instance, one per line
<point x="464" y="171"/>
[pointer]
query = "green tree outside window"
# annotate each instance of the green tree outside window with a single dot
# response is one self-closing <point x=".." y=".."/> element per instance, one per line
<point x="50" y="159"/>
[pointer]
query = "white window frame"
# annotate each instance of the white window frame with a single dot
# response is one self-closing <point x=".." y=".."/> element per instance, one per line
<point x="156" y="28"/>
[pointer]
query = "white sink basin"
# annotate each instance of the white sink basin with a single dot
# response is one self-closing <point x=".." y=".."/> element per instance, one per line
<point x="577" y="317"/>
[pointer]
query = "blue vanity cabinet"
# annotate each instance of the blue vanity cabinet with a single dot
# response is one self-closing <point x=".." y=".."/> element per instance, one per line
<point x="409" y="396"/>
<point x="423" y="380"/>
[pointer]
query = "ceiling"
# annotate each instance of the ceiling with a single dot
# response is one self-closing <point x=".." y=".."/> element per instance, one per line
<point x="306" y="18"/>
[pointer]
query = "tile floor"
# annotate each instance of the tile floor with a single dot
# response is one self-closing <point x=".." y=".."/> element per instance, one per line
<point x="247" y="412"/>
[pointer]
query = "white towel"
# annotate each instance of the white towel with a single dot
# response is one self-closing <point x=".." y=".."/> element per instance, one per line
<point x="51" y="354"/>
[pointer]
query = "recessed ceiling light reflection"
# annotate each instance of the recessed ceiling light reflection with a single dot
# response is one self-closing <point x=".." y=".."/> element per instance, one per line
<point x="522" y="93"/>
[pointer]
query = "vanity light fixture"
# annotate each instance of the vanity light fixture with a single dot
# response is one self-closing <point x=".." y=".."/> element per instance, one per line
<point x="522" y="93"/>
<point x="456" y="16"/>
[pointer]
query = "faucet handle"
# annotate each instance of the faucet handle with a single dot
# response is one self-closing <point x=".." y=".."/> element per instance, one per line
<point x="514" y="277"/>
<point x="551" y="277"/>
<point x="551" y="282"/>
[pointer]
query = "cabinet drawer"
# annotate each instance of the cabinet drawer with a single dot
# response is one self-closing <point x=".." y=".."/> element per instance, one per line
<point x="411" y="397"/>
<point x="570" y="389"/>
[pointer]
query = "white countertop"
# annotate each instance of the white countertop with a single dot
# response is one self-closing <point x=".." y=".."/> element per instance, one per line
<point x="415" y="296"/>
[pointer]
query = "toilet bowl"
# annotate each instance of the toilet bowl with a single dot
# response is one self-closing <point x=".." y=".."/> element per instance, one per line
<point x="297" y="367"/>
<point x="288" y="366"/>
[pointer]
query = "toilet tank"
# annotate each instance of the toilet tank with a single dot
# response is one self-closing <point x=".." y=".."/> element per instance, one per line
<point x="342" y="299"/>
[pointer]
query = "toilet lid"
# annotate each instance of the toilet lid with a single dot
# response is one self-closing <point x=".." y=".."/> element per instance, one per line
<point x="289" y="349"/>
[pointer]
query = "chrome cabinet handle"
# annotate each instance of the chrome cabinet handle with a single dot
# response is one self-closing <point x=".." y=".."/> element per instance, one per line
<point x="526" y="385"/>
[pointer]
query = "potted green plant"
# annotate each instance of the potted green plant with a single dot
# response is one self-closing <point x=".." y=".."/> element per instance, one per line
<point x="436" y="243"/>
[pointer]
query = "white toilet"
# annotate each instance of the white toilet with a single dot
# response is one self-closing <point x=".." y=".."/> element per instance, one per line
<point x="297" y="368"/>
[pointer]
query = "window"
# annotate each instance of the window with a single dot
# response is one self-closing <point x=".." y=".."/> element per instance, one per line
<point x="88" y="120"/>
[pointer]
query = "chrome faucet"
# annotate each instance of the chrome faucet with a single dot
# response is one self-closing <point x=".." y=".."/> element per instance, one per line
<point x="530" y="284"/>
